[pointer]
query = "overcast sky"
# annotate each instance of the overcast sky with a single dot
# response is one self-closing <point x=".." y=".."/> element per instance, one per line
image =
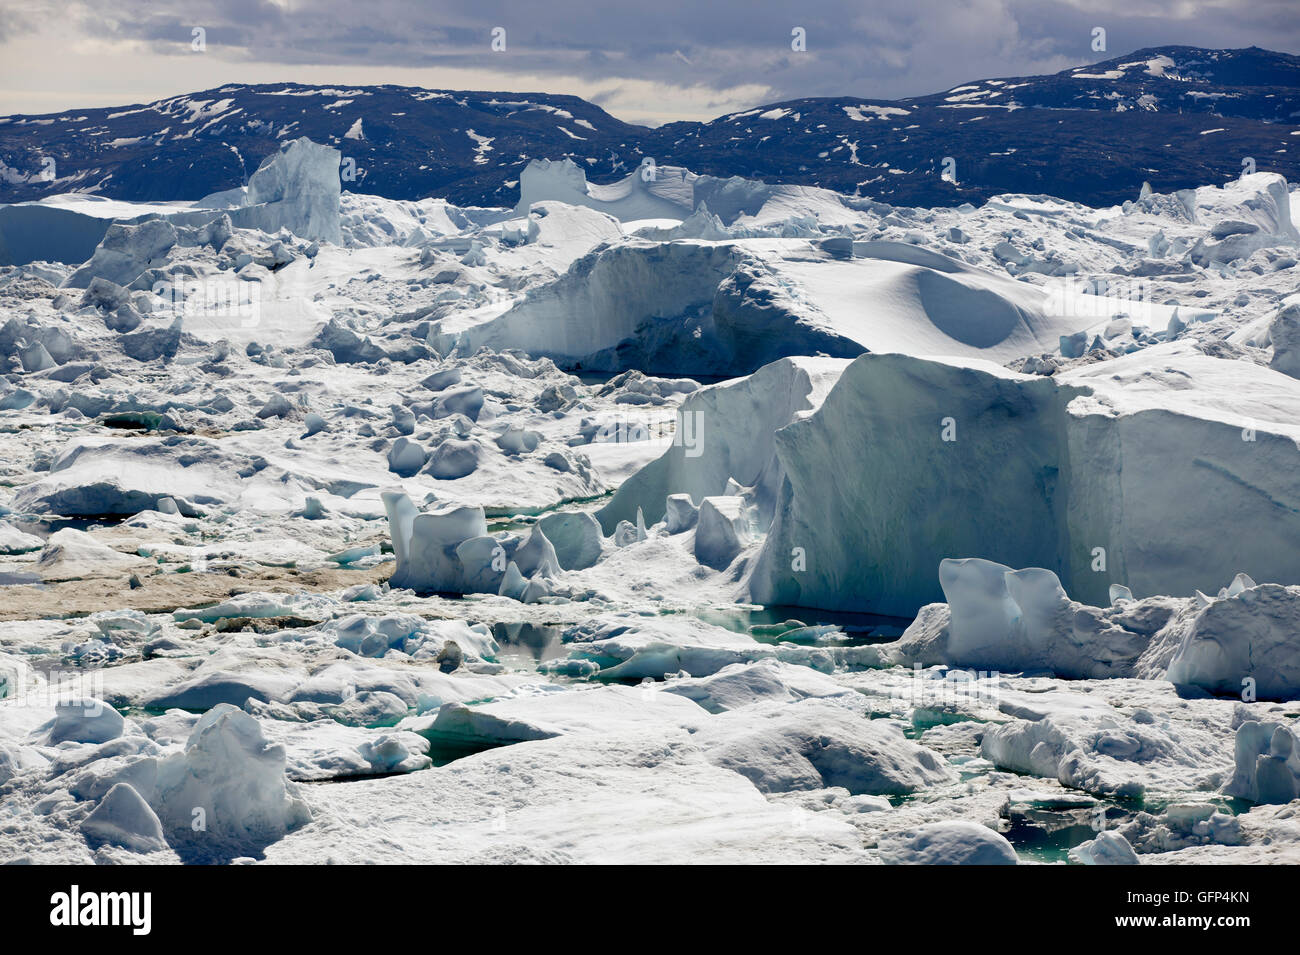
<point x="650" y="62"/>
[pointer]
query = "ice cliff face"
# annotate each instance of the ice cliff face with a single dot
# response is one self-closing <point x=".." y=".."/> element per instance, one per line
<point x="666" y="192"/>
<point x="747" y="414"/>
<point x="606" y="296"/>
<point x="296" y="189"/>
<point x="728" y="307"/>
<point x="1085" y="474"/>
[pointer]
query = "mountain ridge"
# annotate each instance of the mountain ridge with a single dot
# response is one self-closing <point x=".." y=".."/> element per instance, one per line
<point x="1092" y="133"/>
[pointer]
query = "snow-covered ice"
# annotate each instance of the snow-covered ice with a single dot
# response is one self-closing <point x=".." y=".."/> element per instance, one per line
<point x="678" y="518"/>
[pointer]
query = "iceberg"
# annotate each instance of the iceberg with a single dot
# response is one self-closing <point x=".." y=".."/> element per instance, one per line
<point x="1119" y="474"/>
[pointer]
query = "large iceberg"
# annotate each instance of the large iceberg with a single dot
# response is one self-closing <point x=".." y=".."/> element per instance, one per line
<point x="728" y="307"/>
<point x="1239" y="643"/>
<point x="1115" y="473"/>
<point x="665" y="192"/>
<point x="1250" y="213"/>
<point x="297" y="189"/>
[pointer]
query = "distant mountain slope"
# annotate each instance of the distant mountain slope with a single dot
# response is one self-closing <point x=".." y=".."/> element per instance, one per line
<point x="1176" y="116"/>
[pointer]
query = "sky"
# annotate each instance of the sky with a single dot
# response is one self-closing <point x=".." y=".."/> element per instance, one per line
<point x="645" y="61"/>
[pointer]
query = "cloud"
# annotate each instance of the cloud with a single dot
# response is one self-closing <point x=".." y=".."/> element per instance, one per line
<point x="13" y="24"/>
<point x="646" y="61"/>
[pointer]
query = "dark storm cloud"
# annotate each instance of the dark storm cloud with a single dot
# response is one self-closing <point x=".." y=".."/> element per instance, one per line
<point x="13" y="24"/>
<point x="884" y="49"/>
